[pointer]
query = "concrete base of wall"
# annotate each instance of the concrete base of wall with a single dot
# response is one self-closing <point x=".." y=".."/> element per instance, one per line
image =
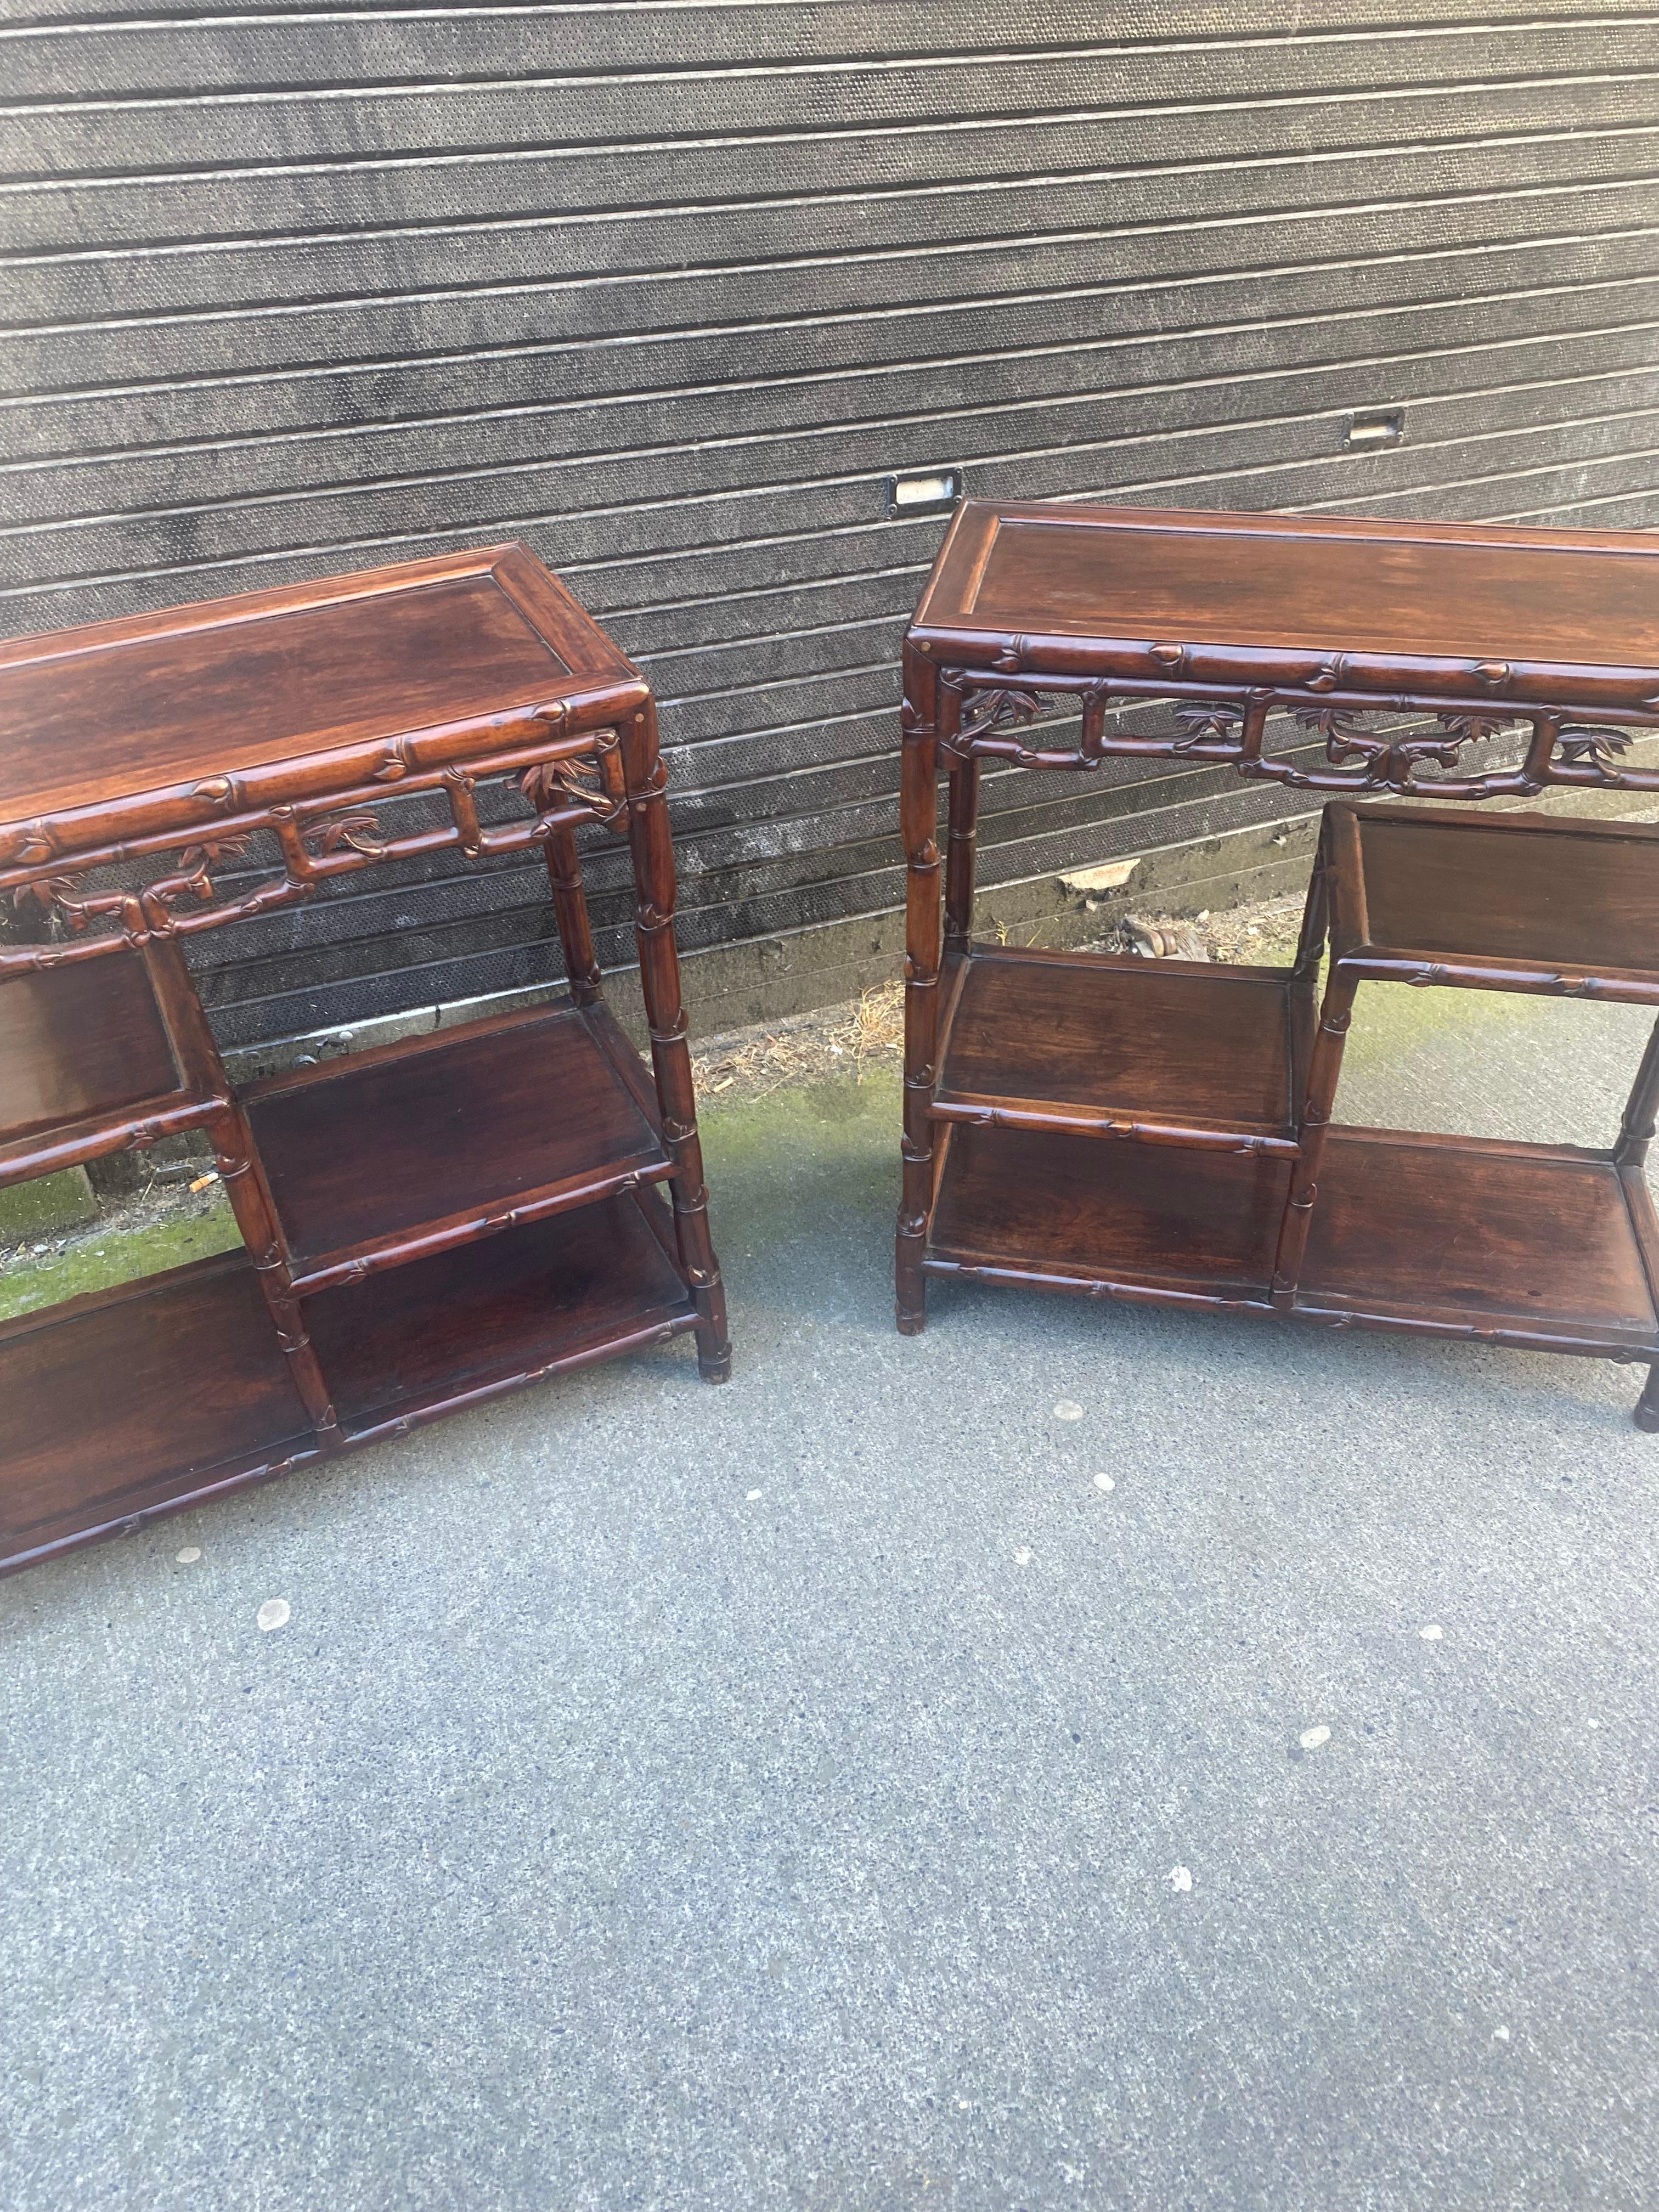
<point x="46" y="1206"/>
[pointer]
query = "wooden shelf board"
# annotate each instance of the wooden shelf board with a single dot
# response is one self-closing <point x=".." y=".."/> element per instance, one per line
<point x="127" y="1401"/>
<point x="381" y="1158"/>
<point x="1038" y="1203"/>
<point x="1170" y="1051"/>
<point x="1520" y="1240"/>
<point x="1498" y="903"/>
<point x="487" y="1316"/>
<point x="81" y="1046"/>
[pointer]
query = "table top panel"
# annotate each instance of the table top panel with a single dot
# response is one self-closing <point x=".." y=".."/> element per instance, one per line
<point x="1414" y="591"/>
<point x="129" y="707"/>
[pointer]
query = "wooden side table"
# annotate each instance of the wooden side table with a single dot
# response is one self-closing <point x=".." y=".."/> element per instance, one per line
<point x="1219" y="1184"/>
<point x="426" y="1224"/>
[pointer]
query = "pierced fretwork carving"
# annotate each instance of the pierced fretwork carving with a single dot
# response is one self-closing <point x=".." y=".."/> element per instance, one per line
<point x="1592" y="745"/>
<point x="596" y="780"/>
<point x="140" y="914"/>
<point x="315" y="842"/>
<point x="985" y="710"/>
<point x="1206" y="722"/>
<point x="1388" y="759"/>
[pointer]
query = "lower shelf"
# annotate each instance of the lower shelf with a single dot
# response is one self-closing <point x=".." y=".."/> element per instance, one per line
<point x="114" y="1405"/>
<point x="1541" y="1246"/>
<point x="1534" y="1243"/>
<point x="482" y="1318"/>
<point x="143" y="1399"/>
<point x="1032" y="1203"/>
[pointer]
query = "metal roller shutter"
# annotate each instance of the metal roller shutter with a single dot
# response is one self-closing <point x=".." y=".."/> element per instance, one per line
<point x="669" y="290"/>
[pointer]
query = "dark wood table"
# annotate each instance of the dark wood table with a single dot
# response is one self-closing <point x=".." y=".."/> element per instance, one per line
<point x="428" y="1224"/>
<point x="1351" y="656"/>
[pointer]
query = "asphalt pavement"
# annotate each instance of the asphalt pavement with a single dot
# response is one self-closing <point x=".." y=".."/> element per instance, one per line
<point x="1078" y="1757"/>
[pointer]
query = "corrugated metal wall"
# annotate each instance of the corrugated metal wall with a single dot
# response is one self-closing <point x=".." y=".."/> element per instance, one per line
<point x="668" y="289"/>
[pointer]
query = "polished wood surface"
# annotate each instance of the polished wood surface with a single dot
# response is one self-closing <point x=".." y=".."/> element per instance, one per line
<point x="114" y="1402"/>
<point x="79" y="1042"/>
<point x="1521" y="1238"/>
<point x="123" y="707"/>
<point x="494" y="1315"/>
<point x="364" y="1151"/>
<point x="1167" y="1050"/>
<point x="1165" y="1131"/>
<point x="1026" y="1200"/>
<point x="271" y="709"/>
<point x="1242" y="591"/>
<point x="1439" y="891"/>
<point x="431" y="1222"/>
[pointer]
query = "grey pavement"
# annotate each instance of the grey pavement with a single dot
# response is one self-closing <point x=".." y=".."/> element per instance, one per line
<point x="824" y="1792"/>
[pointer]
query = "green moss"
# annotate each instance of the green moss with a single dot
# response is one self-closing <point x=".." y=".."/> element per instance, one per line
<point x="116" y="1256"/>
<point x="46" y="1206"/>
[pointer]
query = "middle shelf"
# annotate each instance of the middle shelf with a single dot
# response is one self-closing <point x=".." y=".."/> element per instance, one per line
<point x="1170" y="1052"/>
<point x="411" y="1149"/>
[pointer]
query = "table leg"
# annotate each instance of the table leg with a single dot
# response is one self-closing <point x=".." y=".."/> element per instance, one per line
<point x="919" y="820"/>
<point x="670" y="1055"/>
<point x="1334" y="1015"/>
<point x="960" y="854"/>
<point x="564" y="874"/>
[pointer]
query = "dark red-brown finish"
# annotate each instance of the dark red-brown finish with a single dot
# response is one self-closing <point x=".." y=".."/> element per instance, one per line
<point x="143" y="1397"/>
<point x="1223" y="1180"/>
<point x="468" y="1323"/>
<point x="428" y="1224"/>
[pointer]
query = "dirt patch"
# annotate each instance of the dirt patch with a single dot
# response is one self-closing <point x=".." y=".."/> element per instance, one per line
<point x="856" y="1039"/>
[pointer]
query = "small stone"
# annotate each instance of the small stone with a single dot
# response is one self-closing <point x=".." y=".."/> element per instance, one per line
<point x="1501" y="2034"/>
<point x="1068" y="1409"/>
<point x="1023" y="1556"/>
<point x="273" y="1614"/>
<point x="1311" y="1739"/>
<point x="1432" y="1633"/>
<point x="754" y="1494"/>
<point x="1180" y="1877"/>
<point x="189" y="1555"/>
<point x="1104" y="1482"/>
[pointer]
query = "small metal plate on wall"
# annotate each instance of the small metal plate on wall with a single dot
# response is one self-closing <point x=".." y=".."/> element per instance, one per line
<point x="923" y="491"/>
<point x="1369" y="433"/>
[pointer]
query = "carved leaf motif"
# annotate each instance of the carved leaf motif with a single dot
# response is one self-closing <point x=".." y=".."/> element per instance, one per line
<point x="49" y="893"/>
<point x="582" y="781"/>
<point x="996" y="709"/>
<point x="1391" y="757"/>
<point x="359" y="833"/>
<point x="1590" y="744"/>
<point x="1471" y="729"/>
<point x="1335" y="724"/>
<point x="1205" y="721"/>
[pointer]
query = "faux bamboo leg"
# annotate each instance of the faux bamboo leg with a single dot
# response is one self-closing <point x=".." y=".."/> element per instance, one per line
<point x="1647" y="1406"/>
<point x="564" y="874"/>
<point x="1641" y="1109"/>
<point x="1315" y="920"/>
<point x="243" y="1177"/>
<point x="919" y="820"/>
<point x="1334" y="1016"/>
<point x="256" y="1217"/>
<point x="960" y="856"/>
<point x="671" y="1056"/>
